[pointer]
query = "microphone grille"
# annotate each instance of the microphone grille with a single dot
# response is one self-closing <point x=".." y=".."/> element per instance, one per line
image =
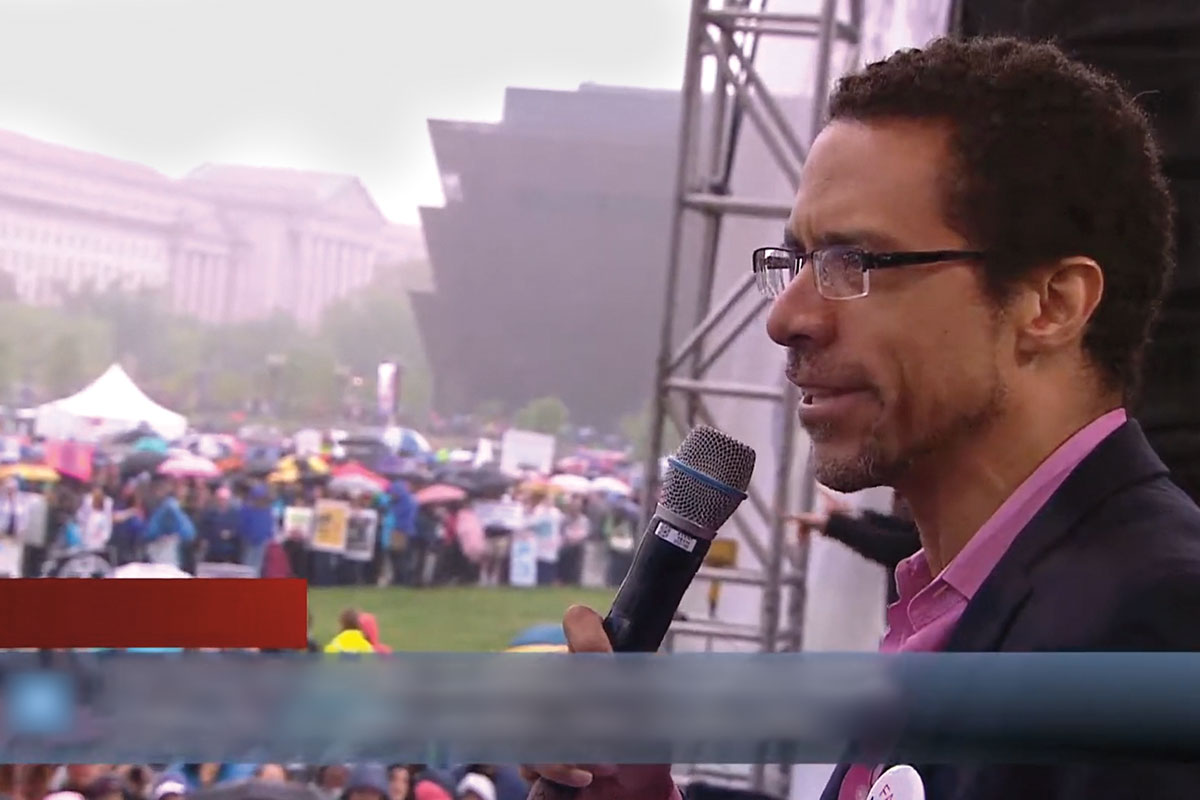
<point x="721" y="458"/>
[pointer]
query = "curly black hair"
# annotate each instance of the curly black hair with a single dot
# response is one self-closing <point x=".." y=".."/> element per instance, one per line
<point x="1053" y="159"/>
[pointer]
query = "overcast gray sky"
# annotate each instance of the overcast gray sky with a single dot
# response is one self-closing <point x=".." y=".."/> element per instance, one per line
<point x="335" y="85"/>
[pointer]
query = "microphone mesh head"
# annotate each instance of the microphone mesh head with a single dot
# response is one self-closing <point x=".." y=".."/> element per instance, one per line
<point x="723" y="459"/>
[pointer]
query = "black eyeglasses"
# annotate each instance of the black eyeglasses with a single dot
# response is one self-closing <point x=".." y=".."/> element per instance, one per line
<point x="841" y="273"/>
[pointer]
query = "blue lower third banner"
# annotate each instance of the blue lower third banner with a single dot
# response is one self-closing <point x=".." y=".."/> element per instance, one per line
<point x="114" y="707"/>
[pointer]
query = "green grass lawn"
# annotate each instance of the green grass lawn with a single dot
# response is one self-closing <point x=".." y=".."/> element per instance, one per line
<point x="452" y="619"/>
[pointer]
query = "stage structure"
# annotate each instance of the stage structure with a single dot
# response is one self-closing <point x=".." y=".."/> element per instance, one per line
<point x="754" y="95"/>
<point x="723" y="372"/>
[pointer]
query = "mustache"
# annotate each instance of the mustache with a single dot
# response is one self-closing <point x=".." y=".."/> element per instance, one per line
<point x="805" y="369"/>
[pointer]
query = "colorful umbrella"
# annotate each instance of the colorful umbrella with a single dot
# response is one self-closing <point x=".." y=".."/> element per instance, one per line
<point x="548" y="634"/>
<point x="150" y="444"/>
<point x="142" y="570"/>
<point x="141" y="461"/>
<point x="412" y="443"/>
<point x="441" y="493"/>
<point x="354" y="484"/>
<point x="30" y="473"/>
<point x="610" y="485"/>
<point x="358" y="471"/>
<point x="312" y="465"/>
<point x="573" y="484"/>
<point x="189" y="466"/>
<point x="538" y="648"/>
<point x="284" y="476"/>
<point x="357" y="479"/>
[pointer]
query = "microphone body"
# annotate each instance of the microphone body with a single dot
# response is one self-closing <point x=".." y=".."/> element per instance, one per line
<point x="705" y="482"/>
<point x="666" y="560"/>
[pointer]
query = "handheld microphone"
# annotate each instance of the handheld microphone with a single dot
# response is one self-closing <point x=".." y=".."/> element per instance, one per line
<point x="706" y="481"/>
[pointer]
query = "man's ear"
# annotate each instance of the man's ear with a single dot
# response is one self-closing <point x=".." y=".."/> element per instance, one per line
<point x="1054" y="304"/>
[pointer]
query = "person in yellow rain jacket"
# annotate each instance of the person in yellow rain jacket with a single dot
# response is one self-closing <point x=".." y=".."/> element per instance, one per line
<point x="351" y="639"/>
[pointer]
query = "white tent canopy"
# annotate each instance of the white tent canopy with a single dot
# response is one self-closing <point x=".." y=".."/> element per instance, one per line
<point x="111" y="404"/>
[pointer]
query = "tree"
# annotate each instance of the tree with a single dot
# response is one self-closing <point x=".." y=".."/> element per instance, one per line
<point x="490" y="411"/>
<point x="544" y="415"/>
<point x="635" y="427"/>
<point x="192" y="365"/>
<point x="373" y="325"/>
<point x="64" y="372"/>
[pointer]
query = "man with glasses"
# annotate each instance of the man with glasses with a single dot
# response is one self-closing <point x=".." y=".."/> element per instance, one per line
<point x="978" y="248"/>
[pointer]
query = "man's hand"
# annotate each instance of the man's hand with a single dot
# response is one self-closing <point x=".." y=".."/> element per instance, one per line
<point x="585" y="634"/>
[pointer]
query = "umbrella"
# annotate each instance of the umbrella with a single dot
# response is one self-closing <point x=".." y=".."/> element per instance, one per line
<point x="549" y="633"/>
<point x="284" y="476"/>
<point x="574" y="484"/>
<point x="412" y="443"/>
<point x="139" y="570"/>
<point x="490" y="480"/>
<point x="30" y="473"/>
<point x="609" y="485"/>
<point x="189" y="466"/>
<point x="150" y="444"/>
<point x="141" y="461"/>
<point x="312" y="465"/>
<point x="440" y="493"/>
<point x="142" y="431"/>
<point x="359" y="473"/>
<point x="538" y="648"/>
<point x="408" y="468"/>
<point x="261" y="460"/>
<point x="355" y="484"/>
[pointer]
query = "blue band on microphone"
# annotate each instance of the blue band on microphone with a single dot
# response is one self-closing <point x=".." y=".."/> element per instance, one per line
<point x="707" y="480"/>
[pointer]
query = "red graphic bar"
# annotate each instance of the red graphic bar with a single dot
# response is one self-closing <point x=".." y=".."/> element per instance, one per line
<point x="66" y="613"/>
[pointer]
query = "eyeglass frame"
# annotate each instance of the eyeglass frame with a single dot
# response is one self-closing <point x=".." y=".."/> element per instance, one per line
<point x="870" y="261"/>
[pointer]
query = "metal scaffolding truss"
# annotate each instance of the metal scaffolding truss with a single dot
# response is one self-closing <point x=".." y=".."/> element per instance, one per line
<point x="723" y="42"/>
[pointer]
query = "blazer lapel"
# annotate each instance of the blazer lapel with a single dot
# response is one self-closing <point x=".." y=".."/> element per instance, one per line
<point x="1123" y="458"/>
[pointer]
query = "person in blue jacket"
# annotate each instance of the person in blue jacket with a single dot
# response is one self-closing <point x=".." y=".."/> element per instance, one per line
<point x="256" y="526"/>
<point x="402" y="519"/>
<point x="167" y="528"/>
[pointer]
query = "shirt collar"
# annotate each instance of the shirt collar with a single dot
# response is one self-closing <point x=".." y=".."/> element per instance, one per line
<point x="967" y="571"/>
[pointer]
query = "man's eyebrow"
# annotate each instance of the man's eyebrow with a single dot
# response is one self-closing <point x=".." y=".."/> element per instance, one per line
<point x="870" y="240"/>
<point x="790" y="242"/>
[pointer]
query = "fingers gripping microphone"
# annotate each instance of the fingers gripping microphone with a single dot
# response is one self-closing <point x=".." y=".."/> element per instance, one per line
<point x="706" y="481"/>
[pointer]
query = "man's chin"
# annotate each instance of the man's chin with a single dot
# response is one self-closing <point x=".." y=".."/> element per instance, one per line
<point x="845" y="468"/>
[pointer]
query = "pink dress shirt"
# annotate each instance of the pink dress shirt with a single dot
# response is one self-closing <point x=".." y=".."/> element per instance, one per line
<point x="928" y="609"/>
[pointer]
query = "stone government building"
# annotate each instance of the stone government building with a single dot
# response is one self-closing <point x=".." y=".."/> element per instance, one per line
<point x="229" y="243"/>
<point x="550" y="252"/>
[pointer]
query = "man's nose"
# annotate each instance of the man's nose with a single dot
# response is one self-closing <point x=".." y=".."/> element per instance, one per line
<point x="800" y="317"/>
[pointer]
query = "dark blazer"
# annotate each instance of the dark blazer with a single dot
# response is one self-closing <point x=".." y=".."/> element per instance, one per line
<point x="1110" y="563"/>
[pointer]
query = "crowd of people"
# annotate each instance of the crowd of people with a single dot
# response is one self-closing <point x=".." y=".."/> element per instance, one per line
<point x="304" y="782"/>
<point x="464" y="538"/>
